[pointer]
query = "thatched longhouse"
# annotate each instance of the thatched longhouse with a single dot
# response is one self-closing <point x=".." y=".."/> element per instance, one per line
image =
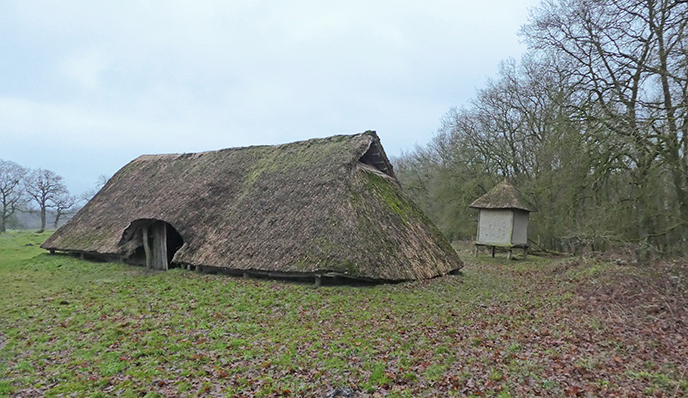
<point x="328" y="207"/>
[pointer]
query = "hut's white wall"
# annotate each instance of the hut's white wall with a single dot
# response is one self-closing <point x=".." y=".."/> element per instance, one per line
<point x="520" y="234"/>
<point x="495" y="226"/>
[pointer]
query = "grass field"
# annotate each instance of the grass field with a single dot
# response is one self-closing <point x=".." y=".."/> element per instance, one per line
<point x="541" y="326"/>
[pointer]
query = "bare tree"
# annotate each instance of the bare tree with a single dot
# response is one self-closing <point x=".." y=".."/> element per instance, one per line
<point x="100" y="183"/>
<point x="62" y="203"/>
<point x="44" y="187"/>
<point x="11" y="190"/>
<point x="630" y="60"/>
<point x="592" y="125"/>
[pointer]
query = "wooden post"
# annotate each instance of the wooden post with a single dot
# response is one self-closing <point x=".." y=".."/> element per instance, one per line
<point x="493" y="251"/>
<point x="246" y="275"/>
<point x="146" y="246"/>
<point x="318" y="280"/>
<point x="509" y="254"/>
<point x="525" y="252"/>
<point x="158" y="230"/>
<point x="476" y="250"/>
<point x="52" y="251"/>
<point x="163" y="247"/>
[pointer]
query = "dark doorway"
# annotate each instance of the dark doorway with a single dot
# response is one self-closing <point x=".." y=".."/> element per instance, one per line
<point x="151" y="242"/>
<point x="174" y="243"/>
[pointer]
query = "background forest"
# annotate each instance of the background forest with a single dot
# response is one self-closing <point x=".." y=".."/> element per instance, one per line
<point x="590" y="125"/>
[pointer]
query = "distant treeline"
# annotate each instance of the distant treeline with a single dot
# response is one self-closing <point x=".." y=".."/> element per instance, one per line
<point x="36" y="198"/>
<point x="591" y="125"/>
<point x="31" y="219"/>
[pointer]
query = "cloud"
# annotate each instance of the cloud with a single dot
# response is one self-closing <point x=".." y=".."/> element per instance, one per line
<point x="71" y="125"/>
<point x="86" y="68"/>
<point x="127" y="77"/>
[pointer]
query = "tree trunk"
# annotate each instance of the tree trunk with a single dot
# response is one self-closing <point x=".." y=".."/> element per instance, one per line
<point x="58" y="214"/>
<point x="5" y="213"/>
<point x="42" y="220"/>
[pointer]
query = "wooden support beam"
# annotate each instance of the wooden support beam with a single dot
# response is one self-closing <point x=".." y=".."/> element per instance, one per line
<point x="493" y="251"/>
<point x="318" y="280"/>
<point x="146" y="246"/>
<point x="163" y="247"/>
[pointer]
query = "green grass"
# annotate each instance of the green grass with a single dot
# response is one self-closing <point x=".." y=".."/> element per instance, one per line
<point x="502" y="328"/>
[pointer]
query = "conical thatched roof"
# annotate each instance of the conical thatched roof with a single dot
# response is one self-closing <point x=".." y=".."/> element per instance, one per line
<point x="502" y="196"/>
<point x="327" y="205"/>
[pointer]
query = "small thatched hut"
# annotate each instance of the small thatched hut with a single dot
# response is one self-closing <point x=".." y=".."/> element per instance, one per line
<point x="322" y="207"/>
<point x="503" y="219"/>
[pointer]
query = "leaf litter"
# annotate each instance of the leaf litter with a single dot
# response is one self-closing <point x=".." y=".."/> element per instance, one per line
<point x="541" y="327"/>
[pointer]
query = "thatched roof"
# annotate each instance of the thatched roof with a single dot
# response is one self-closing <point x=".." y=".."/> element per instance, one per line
<point x="329" y="205"/>
<point x="502" y="196"/>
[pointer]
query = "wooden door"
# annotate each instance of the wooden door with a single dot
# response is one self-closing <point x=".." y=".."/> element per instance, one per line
<point x="155" y="245"/>
<point x="159" y="246"/>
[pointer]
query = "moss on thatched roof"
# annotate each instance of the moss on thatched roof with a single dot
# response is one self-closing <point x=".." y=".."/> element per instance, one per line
<point x="317" y="206"/>
<point x="502" y="196"/>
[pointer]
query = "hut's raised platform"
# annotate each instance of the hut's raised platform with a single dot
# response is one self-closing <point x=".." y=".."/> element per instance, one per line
<point x="509" y="249"/>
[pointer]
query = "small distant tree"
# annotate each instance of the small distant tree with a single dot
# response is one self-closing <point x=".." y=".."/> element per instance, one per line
<point x="11" y="190"/>
<point x="100" y="183"/>
<point x="62" y="204"/>
<point x="44" y="187"/>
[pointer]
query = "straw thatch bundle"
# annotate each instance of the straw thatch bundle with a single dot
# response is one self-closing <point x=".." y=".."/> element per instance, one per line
<point x="322" y="206"/>
<point x="503" y="196"/>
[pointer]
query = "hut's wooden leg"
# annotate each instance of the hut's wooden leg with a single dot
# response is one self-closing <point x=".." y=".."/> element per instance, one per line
<point x="525" y="252"/>
<point x="318" y="281"/>
<point x="476" y="250"/>
<point x="199" y="269"/>
<point x="509" y="254"/>
<point x="52" y="251"/>
<point x="493" y="251"/>
<point x="246" y="275"/>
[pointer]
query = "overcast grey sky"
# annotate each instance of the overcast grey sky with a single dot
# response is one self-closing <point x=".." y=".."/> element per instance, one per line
<point x="87" y="86"/>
